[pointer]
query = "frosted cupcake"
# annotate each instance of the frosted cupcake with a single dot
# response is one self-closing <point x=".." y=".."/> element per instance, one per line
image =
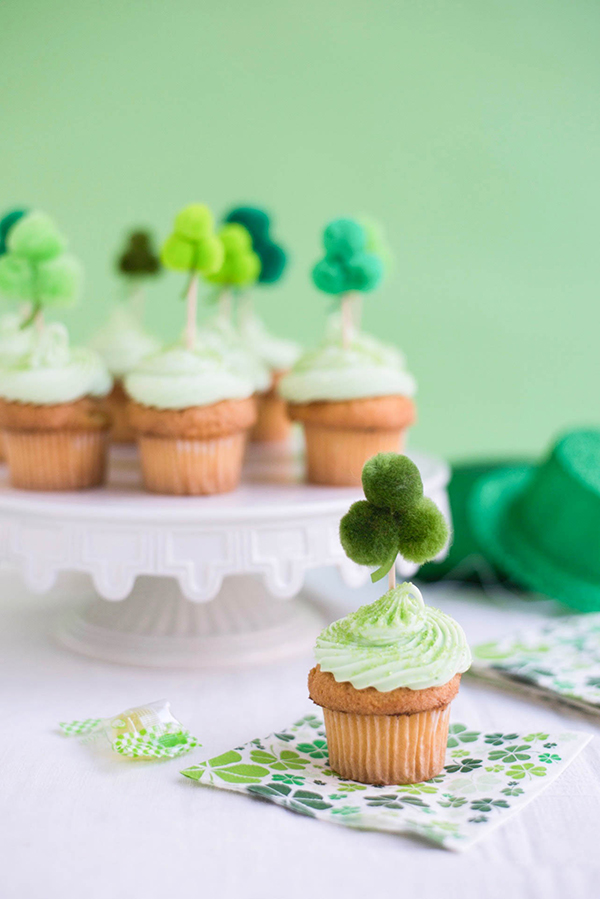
<point x="352" y="399"/>
<point x="123" y="344"/>
<point x="191" y="412"/>
<point x="55" y="429"/>
<point x="278" y="354"/>
<point x="353" y="402"/>
<point x="385" y="677"/>
<point x="386" y="674"/>
<point x="191" y="415"/>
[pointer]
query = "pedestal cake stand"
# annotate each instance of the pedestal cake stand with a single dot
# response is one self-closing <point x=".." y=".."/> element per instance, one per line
<point x="190" y="581"/>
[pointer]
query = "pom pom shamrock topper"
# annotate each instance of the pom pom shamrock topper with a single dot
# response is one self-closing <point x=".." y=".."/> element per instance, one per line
<point x="6" y="222"/>
<point x="257" y="222"/>
<point x="346" y="267"/>
<point x="193" y="248"/>
<point x="35" y="268"/>
<point x="137" y="264"/>
<point x="394" y="518"/>
<point x="138" y="259"/>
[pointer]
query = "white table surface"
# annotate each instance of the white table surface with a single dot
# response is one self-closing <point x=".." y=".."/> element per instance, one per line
<point x="77" y="825"/>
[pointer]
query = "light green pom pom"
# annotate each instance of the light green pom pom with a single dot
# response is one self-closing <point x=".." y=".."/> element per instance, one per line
<point x="241" y="264"/>
<point x="192" y="247"/>
<point x="177" y="254"/>
<point x="16" y="277"/>
<point x="194" y="222"/>
<point x="59" y="281"/>
<point x="36" y="237"/>
<point x="210" y="256"/>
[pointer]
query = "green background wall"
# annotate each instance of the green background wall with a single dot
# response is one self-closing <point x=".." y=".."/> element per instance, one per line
<point x="470" y="128"/>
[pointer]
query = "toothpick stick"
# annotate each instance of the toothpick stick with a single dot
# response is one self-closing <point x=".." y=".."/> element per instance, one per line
<point x="347" y="327"/>
<point x="192" y="313"/>
<point x="392" y="577"/>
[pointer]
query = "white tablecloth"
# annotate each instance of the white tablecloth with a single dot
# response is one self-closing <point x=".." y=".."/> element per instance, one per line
<point x="74" y="824"/>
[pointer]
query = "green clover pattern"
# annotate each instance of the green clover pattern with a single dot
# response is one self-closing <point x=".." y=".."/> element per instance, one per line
<point x="498" y="774"/>
<point x="561" y="657"/>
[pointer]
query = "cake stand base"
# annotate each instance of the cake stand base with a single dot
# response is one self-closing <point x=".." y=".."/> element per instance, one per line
<point x="158" y="627"/>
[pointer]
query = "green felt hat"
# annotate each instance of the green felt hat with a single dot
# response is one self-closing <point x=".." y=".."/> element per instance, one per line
<point x="541" y="524"/>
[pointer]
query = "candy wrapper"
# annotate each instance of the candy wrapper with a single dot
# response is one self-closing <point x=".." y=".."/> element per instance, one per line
<point x="145" y="732"/>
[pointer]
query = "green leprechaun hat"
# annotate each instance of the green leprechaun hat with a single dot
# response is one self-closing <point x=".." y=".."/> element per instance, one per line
<point x="541" y="524"/>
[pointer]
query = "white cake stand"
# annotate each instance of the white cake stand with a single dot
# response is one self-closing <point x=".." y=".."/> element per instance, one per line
<point x="190" y="581"/>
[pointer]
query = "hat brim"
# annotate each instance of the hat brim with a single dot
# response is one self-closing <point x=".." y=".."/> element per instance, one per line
<point x="510" y="549"/>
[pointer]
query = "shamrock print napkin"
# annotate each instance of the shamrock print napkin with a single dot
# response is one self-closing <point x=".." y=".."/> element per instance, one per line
<point x="487" y="778"/>
<point x="560" y="661"/>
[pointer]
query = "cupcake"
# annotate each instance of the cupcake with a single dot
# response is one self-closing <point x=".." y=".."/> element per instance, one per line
<point x="385" y="678"/>
<point x="50" y="397"/>
<point x="123" y="342"/>
<point x="51" y="414"/>
<point x="190" y="411"/>
<point x="386" y="674"/>
<point x="277" y="354"/>
<point x="352" y="398"/>
<point x="191" y="415"/>
<point x="353" y="403"/>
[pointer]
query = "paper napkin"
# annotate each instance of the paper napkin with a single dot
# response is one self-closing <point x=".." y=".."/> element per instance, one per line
<point x="488" y="777"/>
<point x="559" y="660"/>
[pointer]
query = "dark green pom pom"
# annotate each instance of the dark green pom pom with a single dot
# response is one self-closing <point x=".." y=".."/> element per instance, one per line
<point x="139" y="257"/>
<point x="392" y="481"/>
<point x="6" y="223"/>
<point x="369" y="535"/>
<point x="273" y="261"/>
<point x="423" y="532"/>
<point x="257" y="222"/>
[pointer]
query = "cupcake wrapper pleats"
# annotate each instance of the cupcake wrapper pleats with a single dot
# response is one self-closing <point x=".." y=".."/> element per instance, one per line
<point x="387" y="749"/>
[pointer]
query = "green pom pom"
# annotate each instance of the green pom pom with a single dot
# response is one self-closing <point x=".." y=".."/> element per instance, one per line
<point x="272" y="257"/>
<point x="36" y="237"/>
<point x="343" y="238"/>
<point x="177" y="254"/>
<point x="59" y="281"/>
<point x="241" y="264"/>
<point x="330" y="276"/>
<point x="192" y="247"/>
<point x="194" y="222"/>
<point x="391" y="481"/>
<point x="378" y="243"/>
<point x="423" y="532"/>
<point x="364" y="272"/>
<point x="138" y="257"/>
<point x="368" y="534"/>
<point x="256" y="221"/>
<point x="346" y="266"/>
<point x="6" y="223"/>
<point x="16" y="277"/>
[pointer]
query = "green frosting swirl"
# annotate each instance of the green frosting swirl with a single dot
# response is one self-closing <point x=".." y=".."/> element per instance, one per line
<point x="394" y="642"/>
